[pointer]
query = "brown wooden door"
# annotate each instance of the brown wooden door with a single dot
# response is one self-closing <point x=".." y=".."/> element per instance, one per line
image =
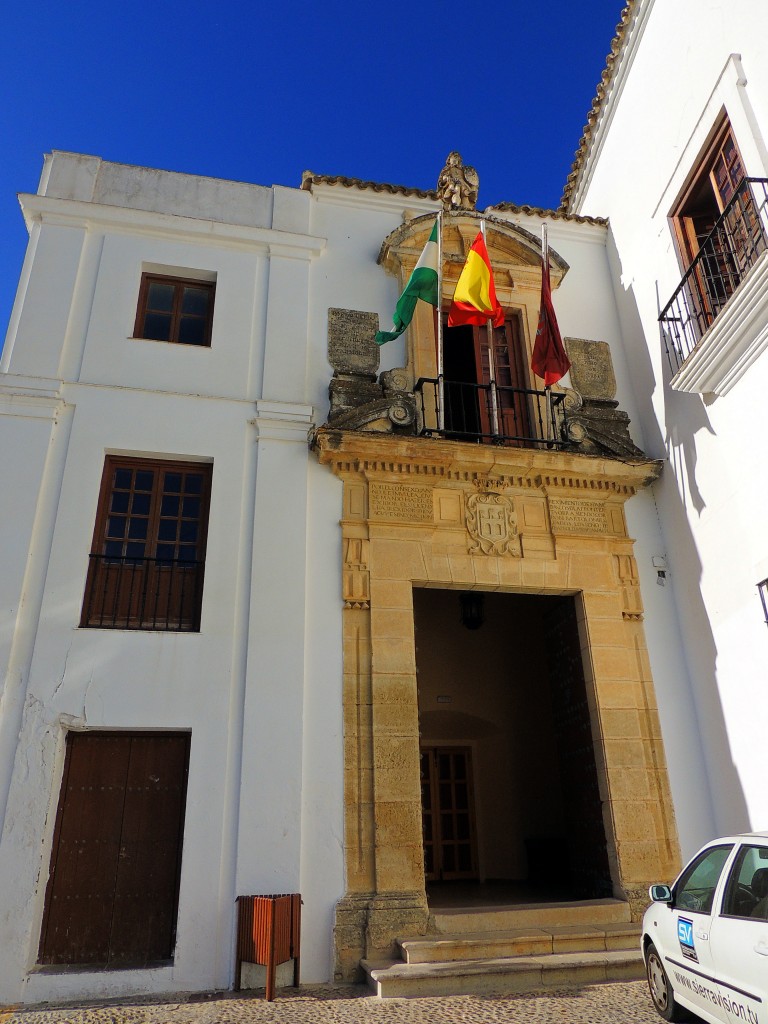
<point x="448" y="818"/>
<point x="113" y="887"/>
<point x="514" y="421"/>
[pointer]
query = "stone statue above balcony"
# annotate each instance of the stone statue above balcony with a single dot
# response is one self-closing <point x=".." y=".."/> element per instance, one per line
<point x="458" y="185"/>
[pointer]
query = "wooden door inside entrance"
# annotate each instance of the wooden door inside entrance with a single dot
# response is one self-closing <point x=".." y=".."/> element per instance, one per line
<point x="115" y="865"/>
<point x="447" y="810"/>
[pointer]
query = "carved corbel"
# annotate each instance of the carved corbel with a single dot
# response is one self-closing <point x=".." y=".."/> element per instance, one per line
<point x="626" y="568"/>
<point x="356" y="576"/>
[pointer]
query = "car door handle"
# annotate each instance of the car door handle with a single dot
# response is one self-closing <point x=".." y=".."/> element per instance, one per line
<point x="762" y="947"/>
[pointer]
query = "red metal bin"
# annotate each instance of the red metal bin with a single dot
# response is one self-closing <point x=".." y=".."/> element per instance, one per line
<point x="268" y="933"/>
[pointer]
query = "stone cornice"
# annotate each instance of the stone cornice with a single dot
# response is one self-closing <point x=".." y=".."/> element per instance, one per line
<point x="450" y="462"/>
<point x="29" y="397"/>
<point x="93" y="216"/>
<point x="282" y="421"/>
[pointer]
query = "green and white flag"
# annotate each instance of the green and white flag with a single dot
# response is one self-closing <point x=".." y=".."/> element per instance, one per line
<point x="422" y="284"/>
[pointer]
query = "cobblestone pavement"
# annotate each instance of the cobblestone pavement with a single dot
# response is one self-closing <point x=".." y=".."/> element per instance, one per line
<point x="624" y="1003"/>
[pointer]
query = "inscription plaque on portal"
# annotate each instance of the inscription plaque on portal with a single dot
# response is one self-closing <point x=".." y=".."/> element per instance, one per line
<point x="351" y="345"/>
<point x="572" y="516"/>
<point x="401" y="503"/>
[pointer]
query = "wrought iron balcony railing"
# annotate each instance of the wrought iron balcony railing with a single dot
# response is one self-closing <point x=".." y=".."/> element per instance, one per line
<point x="492" y="413"/>
<point x="726" y="255"/>
<point x="143" y="593"/>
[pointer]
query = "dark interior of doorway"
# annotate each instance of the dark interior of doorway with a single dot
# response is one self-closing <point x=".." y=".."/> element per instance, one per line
<point x="504" y="708"/>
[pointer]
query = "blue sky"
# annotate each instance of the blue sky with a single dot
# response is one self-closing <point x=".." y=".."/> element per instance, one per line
<point x="261" y="92"/>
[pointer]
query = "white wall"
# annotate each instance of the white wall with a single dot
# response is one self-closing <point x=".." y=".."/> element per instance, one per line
<point x="260" y="685"/>
<point x="690" y="65"/>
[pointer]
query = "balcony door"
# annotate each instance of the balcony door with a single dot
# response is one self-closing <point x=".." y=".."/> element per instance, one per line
<point x="468" y="398"/>
<point x="715" y="225"/>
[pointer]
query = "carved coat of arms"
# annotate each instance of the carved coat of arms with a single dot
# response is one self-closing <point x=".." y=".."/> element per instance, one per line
<point x="492" y="525"/>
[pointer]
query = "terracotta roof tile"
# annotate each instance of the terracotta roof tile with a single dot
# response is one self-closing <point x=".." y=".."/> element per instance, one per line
<point x="594" y="113"/>
<point x="308" y="179"/>
<point x="538" y="211"/>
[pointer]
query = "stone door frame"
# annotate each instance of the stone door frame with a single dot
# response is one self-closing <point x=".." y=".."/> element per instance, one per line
<point x="419" y="512"/>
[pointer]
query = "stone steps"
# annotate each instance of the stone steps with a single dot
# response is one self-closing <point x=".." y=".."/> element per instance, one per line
<point x="393" y="979"/>
<point x="537" y="915"/>
<point x="520" y="942"/>
<point x="513" y="949"/>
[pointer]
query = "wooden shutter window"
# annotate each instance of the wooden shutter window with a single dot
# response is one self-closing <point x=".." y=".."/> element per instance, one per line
<point x="713" y="184"/>
<point x="175" y="309"/>
<point x="147" y="558"/>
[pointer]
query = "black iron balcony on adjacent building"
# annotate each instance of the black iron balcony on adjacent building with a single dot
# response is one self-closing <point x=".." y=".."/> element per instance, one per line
<point x="725" y="257"/>
<point x="491" y="413"/>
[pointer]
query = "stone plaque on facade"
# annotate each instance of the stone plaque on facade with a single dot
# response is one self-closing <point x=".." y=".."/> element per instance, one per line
<point x="576" y="516"/>
<point x="492" y="525"/>
<point x="591" y="368"/>
<point x="351" y="345"/>
<point x="401" y="503"/>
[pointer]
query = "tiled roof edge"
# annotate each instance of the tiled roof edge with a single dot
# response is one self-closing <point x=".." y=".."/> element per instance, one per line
<point x="617" y="44"/>
<point x="308" y="179"/>
<point x="559" y="214"/>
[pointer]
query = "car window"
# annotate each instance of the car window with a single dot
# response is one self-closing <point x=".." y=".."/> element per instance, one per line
<point x="695" y="889"/>
<point x="746" y="894"/>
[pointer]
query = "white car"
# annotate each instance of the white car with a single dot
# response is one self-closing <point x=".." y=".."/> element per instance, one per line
<point x="705" y="938"/>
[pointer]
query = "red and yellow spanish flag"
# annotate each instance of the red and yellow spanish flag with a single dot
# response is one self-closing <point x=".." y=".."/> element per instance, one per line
<point x="474" y="301"/>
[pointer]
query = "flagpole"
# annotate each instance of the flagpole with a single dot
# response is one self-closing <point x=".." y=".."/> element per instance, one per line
<point x="545" y="270"/>
<point x="491" y="362"/>
<point x="440" y="382"/>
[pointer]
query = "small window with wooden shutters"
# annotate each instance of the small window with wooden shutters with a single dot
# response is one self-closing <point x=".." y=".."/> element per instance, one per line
<point x="716" y="227"/>
<point x="148" y="553"/>
<point x="175" y="309"/>
<point x="719" y="225"/>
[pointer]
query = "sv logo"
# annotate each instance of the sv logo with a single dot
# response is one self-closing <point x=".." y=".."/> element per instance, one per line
<point x="685" y="937"/>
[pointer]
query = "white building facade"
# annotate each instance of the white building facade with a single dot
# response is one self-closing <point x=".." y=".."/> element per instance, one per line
<point x="173" y="601"/>
<point x="675" y="156"/>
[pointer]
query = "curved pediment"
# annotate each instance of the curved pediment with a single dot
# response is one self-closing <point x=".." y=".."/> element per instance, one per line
<point x="515" y="253"/>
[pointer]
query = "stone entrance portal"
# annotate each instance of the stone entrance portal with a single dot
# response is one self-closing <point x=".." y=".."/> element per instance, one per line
<point x="510" y="793"/>
<point x="422" y="514"/>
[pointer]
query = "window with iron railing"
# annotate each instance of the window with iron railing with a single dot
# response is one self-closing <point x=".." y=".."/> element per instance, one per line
<point x="726" y="255"/>
<point x="721" y="230"/>
<point x="483" y="395"/>
<point x="148" y="554"/>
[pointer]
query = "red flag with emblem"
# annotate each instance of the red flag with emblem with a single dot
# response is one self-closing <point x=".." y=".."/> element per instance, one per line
<point x="549" y="360"/>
